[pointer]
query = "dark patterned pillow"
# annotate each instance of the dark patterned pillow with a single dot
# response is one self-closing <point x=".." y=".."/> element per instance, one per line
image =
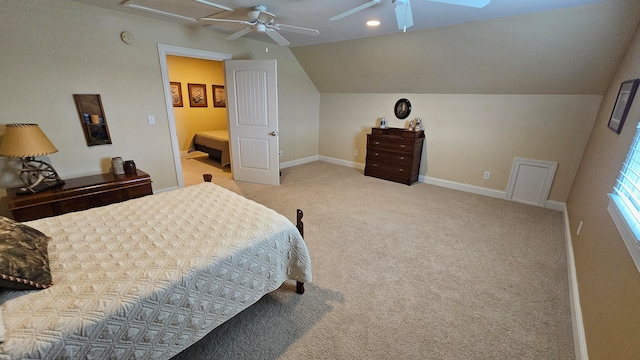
<point x="24" y="261"/>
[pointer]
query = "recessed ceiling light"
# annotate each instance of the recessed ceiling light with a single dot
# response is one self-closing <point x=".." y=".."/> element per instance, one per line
<point x="373" y="23"/>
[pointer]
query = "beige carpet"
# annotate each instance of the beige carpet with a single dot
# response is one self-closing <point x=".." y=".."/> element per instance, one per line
<point x="403" y="272"/>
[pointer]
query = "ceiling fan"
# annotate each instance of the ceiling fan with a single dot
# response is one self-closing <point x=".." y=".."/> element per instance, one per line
<point x="262" y="21"/>
<point x="403" y="9"/>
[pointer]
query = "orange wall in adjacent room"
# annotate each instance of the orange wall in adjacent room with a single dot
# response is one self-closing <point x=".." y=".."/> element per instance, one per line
<point x="190" y="120"/>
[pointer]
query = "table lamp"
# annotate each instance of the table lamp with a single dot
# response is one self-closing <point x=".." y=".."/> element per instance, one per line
<point x="26" y="141"/>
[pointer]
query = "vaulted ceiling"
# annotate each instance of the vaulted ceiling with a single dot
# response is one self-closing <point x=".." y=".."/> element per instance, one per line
<point x="566" y="51"/>
<point x="316" y="14"/>
<point x="507" y="47"/>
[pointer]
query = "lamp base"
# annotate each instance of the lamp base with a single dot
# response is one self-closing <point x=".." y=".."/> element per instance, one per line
<point x="45" y="185"/>
<point x="38" y="176"/>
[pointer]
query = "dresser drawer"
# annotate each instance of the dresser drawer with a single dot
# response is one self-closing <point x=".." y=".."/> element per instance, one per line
<point x="400" y="145"/>
<point x="390" y="157"/>
<point x="402" y="174"/>
<point x="389" y="169"/>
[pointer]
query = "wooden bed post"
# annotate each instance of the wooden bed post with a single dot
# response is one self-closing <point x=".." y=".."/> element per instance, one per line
<point x="207" y="177"/>
<point x="300" y="226"/>
<point x="299" y="223"/>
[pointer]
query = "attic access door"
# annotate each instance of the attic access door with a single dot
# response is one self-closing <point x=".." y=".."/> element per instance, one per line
<point x="530" y="181"/>
<point x="252" y="107"/>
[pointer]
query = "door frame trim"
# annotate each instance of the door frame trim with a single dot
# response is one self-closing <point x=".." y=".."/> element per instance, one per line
<point x="163" y="51"/>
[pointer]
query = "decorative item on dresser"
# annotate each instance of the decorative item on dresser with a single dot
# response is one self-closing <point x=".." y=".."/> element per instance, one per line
<point x="79" y="194"/>
<point x="394" y="154"/>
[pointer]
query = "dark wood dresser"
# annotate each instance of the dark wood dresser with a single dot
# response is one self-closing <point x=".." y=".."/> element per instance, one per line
<point x="394" y="154"/>
<point x="79" y="194"/>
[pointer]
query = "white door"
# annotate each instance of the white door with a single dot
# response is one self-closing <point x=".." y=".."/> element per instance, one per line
<point x="252" y="107"/>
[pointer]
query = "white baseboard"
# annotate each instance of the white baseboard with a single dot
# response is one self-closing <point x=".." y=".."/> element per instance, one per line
<point x="341" y="162"/>
<point x="553" y="205"/>
<point x="286" y="164"/>
<point x="462" y="187"/>
<point x="579" y="338"/>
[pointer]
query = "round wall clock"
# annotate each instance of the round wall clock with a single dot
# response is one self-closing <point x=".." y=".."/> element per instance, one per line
<point x="402" y="108"/>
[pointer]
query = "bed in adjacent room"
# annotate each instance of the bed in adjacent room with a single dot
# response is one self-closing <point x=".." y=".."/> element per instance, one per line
<point x="146" y="278"/>
<point x="213" y="142"/>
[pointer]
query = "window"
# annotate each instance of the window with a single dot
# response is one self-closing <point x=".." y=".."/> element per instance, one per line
<point x="624" y="204"/>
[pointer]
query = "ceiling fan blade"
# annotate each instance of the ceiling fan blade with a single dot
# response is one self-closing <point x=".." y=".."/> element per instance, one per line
<point x="238" y="34"/>
<point x="225" y="20"/>
<point x="159" y="12"/>
<point x="470" y="3"/>
<point x="296" y="29"/>
<point x="403" y="14"/>
<point x="205" y="2"/>
<point x="277" y="37"/>
<point x="355" y="10"/>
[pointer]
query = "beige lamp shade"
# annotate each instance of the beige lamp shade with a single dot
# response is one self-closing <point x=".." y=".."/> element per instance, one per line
<point x="25" y="140"/>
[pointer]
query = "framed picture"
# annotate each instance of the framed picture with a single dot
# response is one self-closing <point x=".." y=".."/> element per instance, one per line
<point x="623" y="103"/>
<point x="219" y="96"/>
<point x="176" y="94"/>
<point x="197" y="95"/>
<point x="402" y="109"/>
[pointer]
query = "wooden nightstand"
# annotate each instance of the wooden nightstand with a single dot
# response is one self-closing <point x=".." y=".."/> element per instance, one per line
<point x="79" y="194"/>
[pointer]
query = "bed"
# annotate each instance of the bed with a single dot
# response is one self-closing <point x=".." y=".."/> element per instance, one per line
<point x="215" y="143"/>
<point x="148" y="277"/>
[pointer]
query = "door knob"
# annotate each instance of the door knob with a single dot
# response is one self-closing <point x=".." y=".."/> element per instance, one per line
<point x="273" y="133"/>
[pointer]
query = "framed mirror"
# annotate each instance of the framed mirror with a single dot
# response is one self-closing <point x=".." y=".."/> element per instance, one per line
<point x="92" y="118"/>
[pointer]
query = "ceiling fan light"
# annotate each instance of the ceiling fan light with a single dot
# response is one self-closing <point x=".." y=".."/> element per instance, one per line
<point x="253" y="15"/>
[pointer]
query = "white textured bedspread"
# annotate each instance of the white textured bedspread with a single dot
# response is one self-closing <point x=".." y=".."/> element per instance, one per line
<point x="146" y="278"/>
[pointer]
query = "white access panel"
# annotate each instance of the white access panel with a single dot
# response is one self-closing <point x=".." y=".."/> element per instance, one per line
<point x="530" y="181"/>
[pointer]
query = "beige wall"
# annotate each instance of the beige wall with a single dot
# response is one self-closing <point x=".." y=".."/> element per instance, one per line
<point x="53" y="49"/>
<point x="469" y="134"/>
<point x="608" y="281"/>
<point x="190" y="120"/>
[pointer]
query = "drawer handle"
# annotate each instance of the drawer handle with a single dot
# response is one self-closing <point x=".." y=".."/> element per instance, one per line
<point x="374" y="165"/>
<point x="376" y="143"/>
<point x="401" y="158"/>
<point x="402" y="146"/>
<point x="400" y="170"/>
<point x="375" y="154"/>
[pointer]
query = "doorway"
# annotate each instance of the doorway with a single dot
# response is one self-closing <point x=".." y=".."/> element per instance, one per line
<point x="163" y="52"/>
